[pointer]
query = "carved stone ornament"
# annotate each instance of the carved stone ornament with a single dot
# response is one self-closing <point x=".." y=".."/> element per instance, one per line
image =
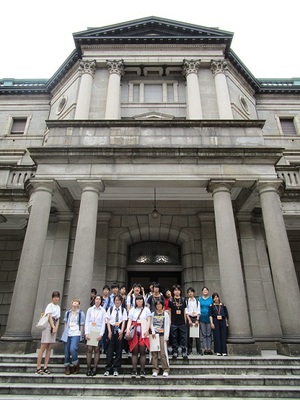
<point x="190" y="67"/>
<point x="115" y="67"/>
<point x="87" y="67"/>
<point x="218" y="67"/>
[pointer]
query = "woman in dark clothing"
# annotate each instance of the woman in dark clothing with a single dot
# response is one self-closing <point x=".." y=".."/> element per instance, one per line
<point x="218" y="316"/>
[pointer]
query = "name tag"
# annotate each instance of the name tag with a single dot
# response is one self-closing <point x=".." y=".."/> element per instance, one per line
<point x="178" y="311"/>
<point x="117" y="324"/>
<point x="94" y="324"/>
<point x="219" y="316"/>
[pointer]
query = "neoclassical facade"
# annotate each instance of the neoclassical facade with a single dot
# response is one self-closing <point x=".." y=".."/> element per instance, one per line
<point x="152" y="153"/>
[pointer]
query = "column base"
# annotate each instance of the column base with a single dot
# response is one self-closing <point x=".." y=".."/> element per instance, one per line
<point x="12" y="347"/>
<point x="240" y="339"/>
<point x="243" y="349"/>
<point x="288" y="349"/>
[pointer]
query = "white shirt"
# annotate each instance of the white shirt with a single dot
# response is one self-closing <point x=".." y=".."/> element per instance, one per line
<point x="54" y="310"/>
<point x="134" y="314"/>
<point x="193" y="307"/>
<point x="95" y="317"/>
<point x="111" y="316"/>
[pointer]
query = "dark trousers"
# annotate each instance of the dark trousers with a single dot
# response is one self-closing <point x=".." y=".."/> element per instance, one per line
<point x="220" y="334"/>
<point x="178" y="334"/>
<point x="190" y="340"/>
<point x="114" y="346"/>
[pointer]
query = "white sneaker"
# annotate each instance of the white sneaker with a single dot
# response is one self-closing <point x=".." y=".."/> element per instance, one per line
<point x="165" y="374"/>
<point x="219" y="354"/>
<point x="155" y="374"/>
<point x="116" y="373"/>
<point x="224" y="354"/>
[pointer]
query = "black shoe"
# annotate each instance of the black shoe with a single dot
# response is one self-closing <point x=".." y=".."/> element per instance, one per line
<point x="94" y="372"/>
<point x="200" y="353"/>
<point x="88" y="372"/>
<point x="184" y="356"/>
<point x="142" y="374"/>
<point x="174" y="356"/>
<point x="133" y="374"/>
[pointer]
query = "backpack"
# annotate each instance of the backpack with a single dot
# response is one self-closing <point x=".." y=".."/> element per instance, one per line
<point x="79" y="316"/>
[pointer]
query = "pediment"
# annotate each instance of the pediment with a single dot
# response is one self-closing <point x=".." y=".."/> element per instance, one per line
<point x="153" y="115"/>
<point x="152" y="29"/>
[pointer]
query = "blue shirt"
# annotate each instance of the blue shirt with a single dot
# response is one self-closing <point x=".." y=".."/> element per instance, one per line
<point x="204" y="305"/>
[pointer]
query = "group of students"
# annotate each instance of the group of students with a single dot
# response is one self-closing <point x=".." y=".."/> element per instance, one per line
<point x="135" y="322"/>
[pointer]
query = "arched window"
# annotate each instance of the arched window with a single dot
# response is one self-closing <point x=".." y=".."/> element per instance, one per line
<point x="154" y="253"/>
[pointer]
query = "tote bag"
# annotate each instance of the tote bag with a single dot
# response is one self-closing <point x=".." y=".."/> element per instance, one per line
<point x="43" y="322"/>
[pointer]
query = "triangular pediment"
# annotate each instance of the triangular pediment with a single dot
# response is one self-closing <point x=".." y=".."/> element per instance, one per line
<point x="152" y="30"/>
<point x="153" y="115"/>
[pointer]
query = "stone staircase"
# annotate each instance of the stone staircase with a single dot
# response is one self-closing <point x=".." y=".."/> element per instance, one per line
<point x="200" y="377"/>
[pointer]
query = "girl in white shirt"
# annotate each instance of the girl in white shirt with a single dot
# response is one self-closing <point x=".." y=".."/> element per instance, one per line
<point x="49" y="333"/>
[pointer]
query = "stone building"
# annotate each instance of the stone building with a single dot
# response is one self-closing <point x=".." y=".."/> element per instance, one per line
<point x="152" y="153"/>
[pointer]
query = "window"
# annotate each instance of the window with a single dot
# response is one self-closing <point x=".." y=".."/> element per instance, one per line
<point x="151" y="253"/>
<point x="18" y="126"/>
<point x="153" y="92"/>
<point x="288" y="126"/>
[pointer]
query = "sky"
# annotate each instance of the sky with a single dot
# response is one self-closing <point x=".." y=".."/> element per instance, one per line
<point x="36" y="35"/>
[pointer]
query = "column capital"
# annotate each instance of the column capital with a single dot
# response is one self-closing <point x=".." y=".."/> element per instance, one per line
<point x="272" y="185"/>
<point x="215" y="186"/>
<point x="91" y="185"/>
<point x="218" y="66"/>
<point x="206" y="217"/>
<point x="87" y="67"/>
<point x="190" y="67"/>
<point x="115" y="67"/>
<point x="104" y="216"/>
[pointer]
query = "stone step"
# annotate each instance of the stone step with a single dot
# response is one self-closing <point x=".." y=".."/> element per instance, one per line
<point x="185" y="391"/>
<point x="173" y="380"/>
<point x="183" y="370"/>
<point x="192" y="360"/>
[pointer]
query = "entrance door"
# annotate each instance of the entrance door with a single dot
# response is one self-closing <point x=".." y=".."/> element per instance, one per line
<point x="165" y="279"/>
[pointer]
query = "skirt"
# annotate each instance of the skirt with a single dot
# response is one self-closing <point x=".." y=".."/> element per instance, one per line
<point x="47" y="336"/>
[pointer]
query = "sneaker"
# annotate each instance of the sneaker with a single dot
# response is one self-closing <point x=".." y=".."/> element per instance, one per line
<point x="165" y="374"/>
<point x="224" y="354"/>
<point x="106" y="373"/>
<point x="133" y="374"/>
<point x="155" y="374"/>
<point x="175" y="356"/>
<point x="116" y="373"/>
<point x="200" y="353"/>
<point x="210" y="352"/>
<point x="88" y="372"/>
<point x="184" y="356"/>
<point x="219" y="354"/>
<point x="124" y="351"/>
<point x="143" y="374"/>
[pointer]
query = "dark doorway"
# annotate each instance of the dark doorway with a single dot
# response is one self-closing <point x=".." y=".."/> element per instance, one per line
<point x="166" y="279"/>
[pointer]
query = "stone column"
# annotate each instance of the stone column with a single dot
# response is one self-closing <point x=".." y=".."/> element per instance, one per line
<point x="87" y="70"/>
<point x="190" y="71"/>
<point x="116" y="71"/>
<point x="84" y="248"/>
<point x="218" y="69"/>
<point x="282" y="265"/>
<point x="101" y="252"/>
<point x="26" y="287"/>
<point x="232" y="282"/>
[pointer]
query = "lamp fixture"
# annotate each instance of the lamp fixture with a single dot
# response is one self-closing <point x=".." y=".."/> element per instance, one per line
<point x="155" y="213"/>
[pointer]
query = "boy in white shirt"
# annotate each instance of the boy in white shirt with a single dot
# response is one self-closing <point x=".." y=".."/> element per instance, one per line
<point x="193" y="317"/>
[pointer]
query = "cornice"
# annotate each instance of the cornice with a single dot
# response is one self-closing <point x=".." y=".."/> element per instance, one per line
<point x="174" y="123"/>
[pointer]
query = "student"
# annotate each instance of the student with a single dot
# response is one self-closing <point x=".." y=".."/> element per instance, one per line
<point x="167" y="296"/>
<point x="136" y="290"/>
<point x="74" y="324"/>
<point x="123" y="293"/>
<point x="160" y="324"/>
<point x="205" y="302"/>
<point x="95" y="319"/>
<point x="140" y="318"/>
<point x="178" y="322"/>
<point x="49" y="333"/>
<point x="193" y="317"/>
<point x="114" y="289"/>
<point x="92" y="298"/>
<point x="151" y="287"/>
<point x="218" y="316"/>
<point x="154" y="297"/>
<point x="116" y="317"/>
<point x="105" y="296"/>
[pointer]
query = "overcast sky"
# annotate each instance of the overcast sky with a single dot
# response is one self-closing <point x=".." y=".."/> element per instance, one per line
<point x="36" y="35"/>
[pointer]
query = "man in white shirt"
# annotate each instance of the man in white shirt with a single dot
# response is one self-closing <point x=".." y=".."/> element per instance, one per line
<point x="116" y="317"/>
<point x="193" y="317"/>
